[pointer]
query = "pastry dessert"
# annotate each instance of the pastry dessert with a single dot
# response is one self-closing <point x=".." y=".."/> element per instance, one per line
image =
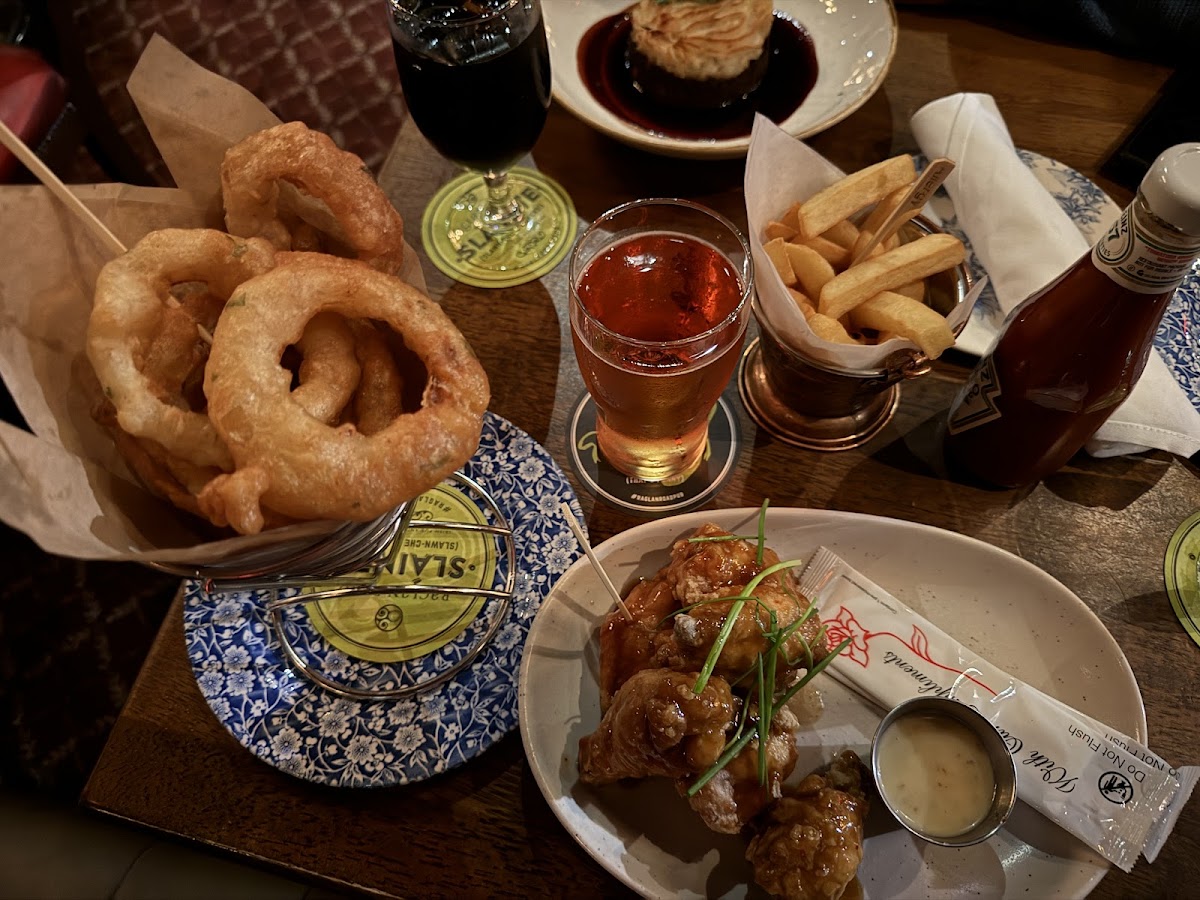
<point x="699" y="54"/>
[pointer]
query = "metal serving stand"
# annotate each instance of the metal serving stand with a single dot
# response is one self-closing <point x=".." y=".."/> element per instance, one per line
<point x="350" y="562"/>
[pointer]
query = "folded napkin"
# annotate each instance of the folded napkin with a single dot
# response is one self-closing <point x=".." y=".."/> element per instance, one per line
<point x="1023" y="239"/>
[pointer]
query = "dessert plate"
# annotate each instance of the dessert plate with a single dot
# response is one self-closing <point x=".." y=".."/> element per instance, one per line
<point x="998" y="604"/>
<point x="300" y="728"/>
<point x="854" y="41"/>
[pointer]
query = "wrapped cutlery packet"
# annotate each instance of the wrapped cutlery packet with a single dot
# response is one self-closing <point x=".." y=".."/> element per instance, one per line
<point x="1103" y="787"/>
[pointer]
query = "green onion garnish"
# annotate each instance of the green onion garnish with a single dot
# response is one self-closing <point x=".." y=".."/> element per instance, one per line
<point x="765" y="664"/>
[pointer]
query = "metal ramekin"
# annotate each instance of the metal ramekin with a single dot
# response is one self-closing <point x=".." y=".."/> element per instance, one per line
<point x="1003" y="767"/>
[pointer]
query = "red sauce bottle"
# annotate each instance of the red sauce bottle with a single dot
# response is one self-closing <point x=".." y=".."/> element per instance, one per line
<point x="1069" y="354"/>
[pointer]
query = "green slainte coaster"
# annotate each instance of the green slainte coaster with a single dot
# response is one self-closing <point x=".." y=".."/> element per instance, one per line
<point x="1180" y="570"/>
<point x="457" y="246"/>
<point x="401" y="627"/>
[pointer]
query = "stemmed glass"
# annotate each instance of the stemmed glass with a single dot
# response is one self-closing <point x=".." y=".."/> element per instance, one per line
<point x="476" y="78"/>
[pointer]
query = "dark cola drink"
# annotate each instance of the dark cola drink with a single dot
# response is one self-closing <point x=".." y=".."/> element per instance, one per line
<point x="478" y="94"/>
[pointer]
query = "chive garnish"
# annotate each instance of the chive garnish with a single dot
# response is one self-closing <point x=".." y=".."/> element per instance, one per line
<point x="764" y="718"/>
<point x="762" y="530"/>
<point x="765" y="663"/>
<point x="734" y="611"/>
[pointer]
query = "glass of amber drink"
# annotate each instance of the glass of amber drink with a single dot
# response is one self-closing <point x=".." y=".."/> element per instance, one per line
<point x="659" y="304"/>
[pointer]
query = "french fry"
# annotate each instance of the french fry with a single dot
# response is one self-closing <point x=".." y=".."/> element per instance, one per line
<point x="829" y="329"/>
<point x="776" y="252"/>
<point x="805" y="305"/>
<point x="812" y="270"/>
<point x="843" y="198"/>
<point x="888" y="311"/>
<point x="790" y="219"/>
<point x="915" y="290"/>
<point x="843" y="232"/>
<point x="921" y="258"/>
<point x="835" y="254"/>
<point x="779" y="230"/>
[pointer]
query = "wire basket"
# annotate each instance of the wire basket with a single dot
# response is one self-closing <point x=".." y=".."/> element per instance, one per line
<point x="354" y="562"/>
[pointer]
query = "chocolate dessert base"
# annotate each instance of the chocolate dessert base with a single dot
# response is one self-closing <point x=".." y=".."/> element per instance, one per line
<point x="660" y="86"/>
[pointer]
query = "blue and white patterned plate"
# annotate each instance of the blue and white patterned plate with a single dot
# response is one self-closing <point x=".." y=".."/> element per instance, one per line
<point x="1092" y="212"/>
<point x="298" y="727"/>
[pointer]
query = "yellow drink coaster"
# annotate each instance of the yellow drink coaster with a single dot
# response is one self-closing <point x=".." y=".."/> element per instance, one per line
<point x="459" y="247"/>
<point x="404" y="626"/>
<point x="1180" y="570"/>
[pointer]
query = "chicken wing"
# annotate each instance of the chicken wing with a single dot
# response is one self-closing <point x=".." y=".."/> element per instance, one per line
<point x="629" y="646"/>
<point x="808" y="844"/>
<point x="669" y="631"/>
<point x="655" y="725"/>
<point x="734" y="796"/>
<point x="810" y="841"/>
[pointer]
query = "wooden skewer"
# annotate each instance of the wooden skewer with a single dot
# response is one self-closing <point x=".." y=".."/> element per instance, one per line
<point x="587" y="549"/>
<point x="18" y="149"/>
<point x="918" y="195"/>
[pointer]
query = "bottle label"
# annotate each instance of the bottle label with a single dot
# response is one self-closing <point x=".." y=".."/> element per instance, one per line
<point x="1142" y="260"/>
<point x="977" y="401"/>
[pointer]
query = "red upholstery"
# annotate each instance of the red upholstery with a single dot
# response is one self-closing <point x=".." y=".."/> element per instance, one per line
<point x="32" y="97"/>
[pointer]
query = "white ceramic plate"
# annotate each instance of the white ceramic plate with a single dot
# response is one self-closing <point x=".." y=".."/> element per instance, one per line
<point x="854" y="41"/>
<point x="1003" y="607"/>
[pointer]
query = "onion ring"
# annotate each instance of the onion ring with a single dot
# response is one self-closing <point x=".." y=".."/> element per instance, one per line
<point x="128" y="312"/>
<point x="329" y="369"/>
<point x="300" y="466"/>
<point x="379" y="398"/>
<point x="309" y="160"/>
<point x="174" y="354"/>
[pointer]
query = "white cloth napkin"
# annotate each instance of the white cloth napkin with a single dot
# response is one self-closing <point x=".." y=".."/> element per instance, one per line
<point x="1023" y="239"/>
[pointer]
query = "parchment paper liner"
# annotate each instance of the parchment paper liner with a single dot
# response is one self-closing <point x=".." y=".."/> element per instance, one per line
<point x="65" y="485"/>
<point x="780" y="171"/>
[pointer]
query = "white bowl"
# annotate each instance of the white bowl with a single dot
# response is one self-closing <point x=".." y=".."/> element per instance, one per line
<point x="854" y="42"/>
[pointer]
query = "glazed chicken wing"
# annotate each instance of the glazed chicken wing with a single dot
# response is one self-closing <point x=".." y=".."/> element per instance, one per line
<point x="734" y="796"/>
<point x="809" y="842"/>
<point x="705" y="572"/>
<point x="655" y="725"/>
<point x="627" y="647"/>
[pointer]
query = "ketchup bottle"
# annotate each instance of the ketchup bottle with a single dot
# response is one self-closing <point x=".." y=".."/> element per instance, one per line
<point x="1069" y="354"/>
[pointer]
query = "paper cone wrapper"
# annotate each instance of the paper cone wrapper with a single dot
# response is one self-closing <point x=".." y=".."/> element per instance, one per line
<point x="781" y="171"/>
<point x="65" y="485"/>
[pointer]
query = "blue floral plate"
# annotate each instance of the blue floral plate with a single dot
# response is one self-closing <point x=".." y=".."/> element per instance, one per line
<point x="293" y="724"/>
<point x="1092" y="212"/>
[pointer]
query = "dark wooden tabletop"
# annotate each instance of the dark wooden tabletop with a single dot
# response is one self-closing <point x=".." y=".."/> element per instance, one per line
<point x="1098" y="526"/>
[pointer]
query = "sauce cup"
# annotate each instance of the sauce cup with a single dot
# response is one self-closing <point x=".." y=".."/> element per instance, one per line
<point x="943" y="771"/>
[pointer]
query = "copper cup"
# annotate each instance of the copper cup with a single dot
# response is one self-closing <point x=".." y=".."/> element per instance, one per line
<point x="813" y="404"/>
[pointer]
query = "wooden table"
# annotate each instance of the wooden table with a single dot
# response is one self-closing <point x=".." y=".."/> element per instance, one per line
<point x="1100" y="527"/>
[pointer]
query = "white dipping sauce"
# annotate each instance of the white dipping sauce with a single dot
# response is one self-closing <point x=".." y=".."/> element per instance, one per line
<point x="935" y="774"/>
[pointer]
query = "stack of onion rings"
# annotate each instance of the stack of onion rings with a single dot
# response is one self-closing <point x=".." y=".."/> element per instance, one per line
<point x="254" y="386"/>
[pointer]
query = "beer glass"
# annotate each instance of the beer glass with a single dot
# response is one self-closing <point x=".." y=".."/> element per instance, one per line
<point x="660" y="294"/>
